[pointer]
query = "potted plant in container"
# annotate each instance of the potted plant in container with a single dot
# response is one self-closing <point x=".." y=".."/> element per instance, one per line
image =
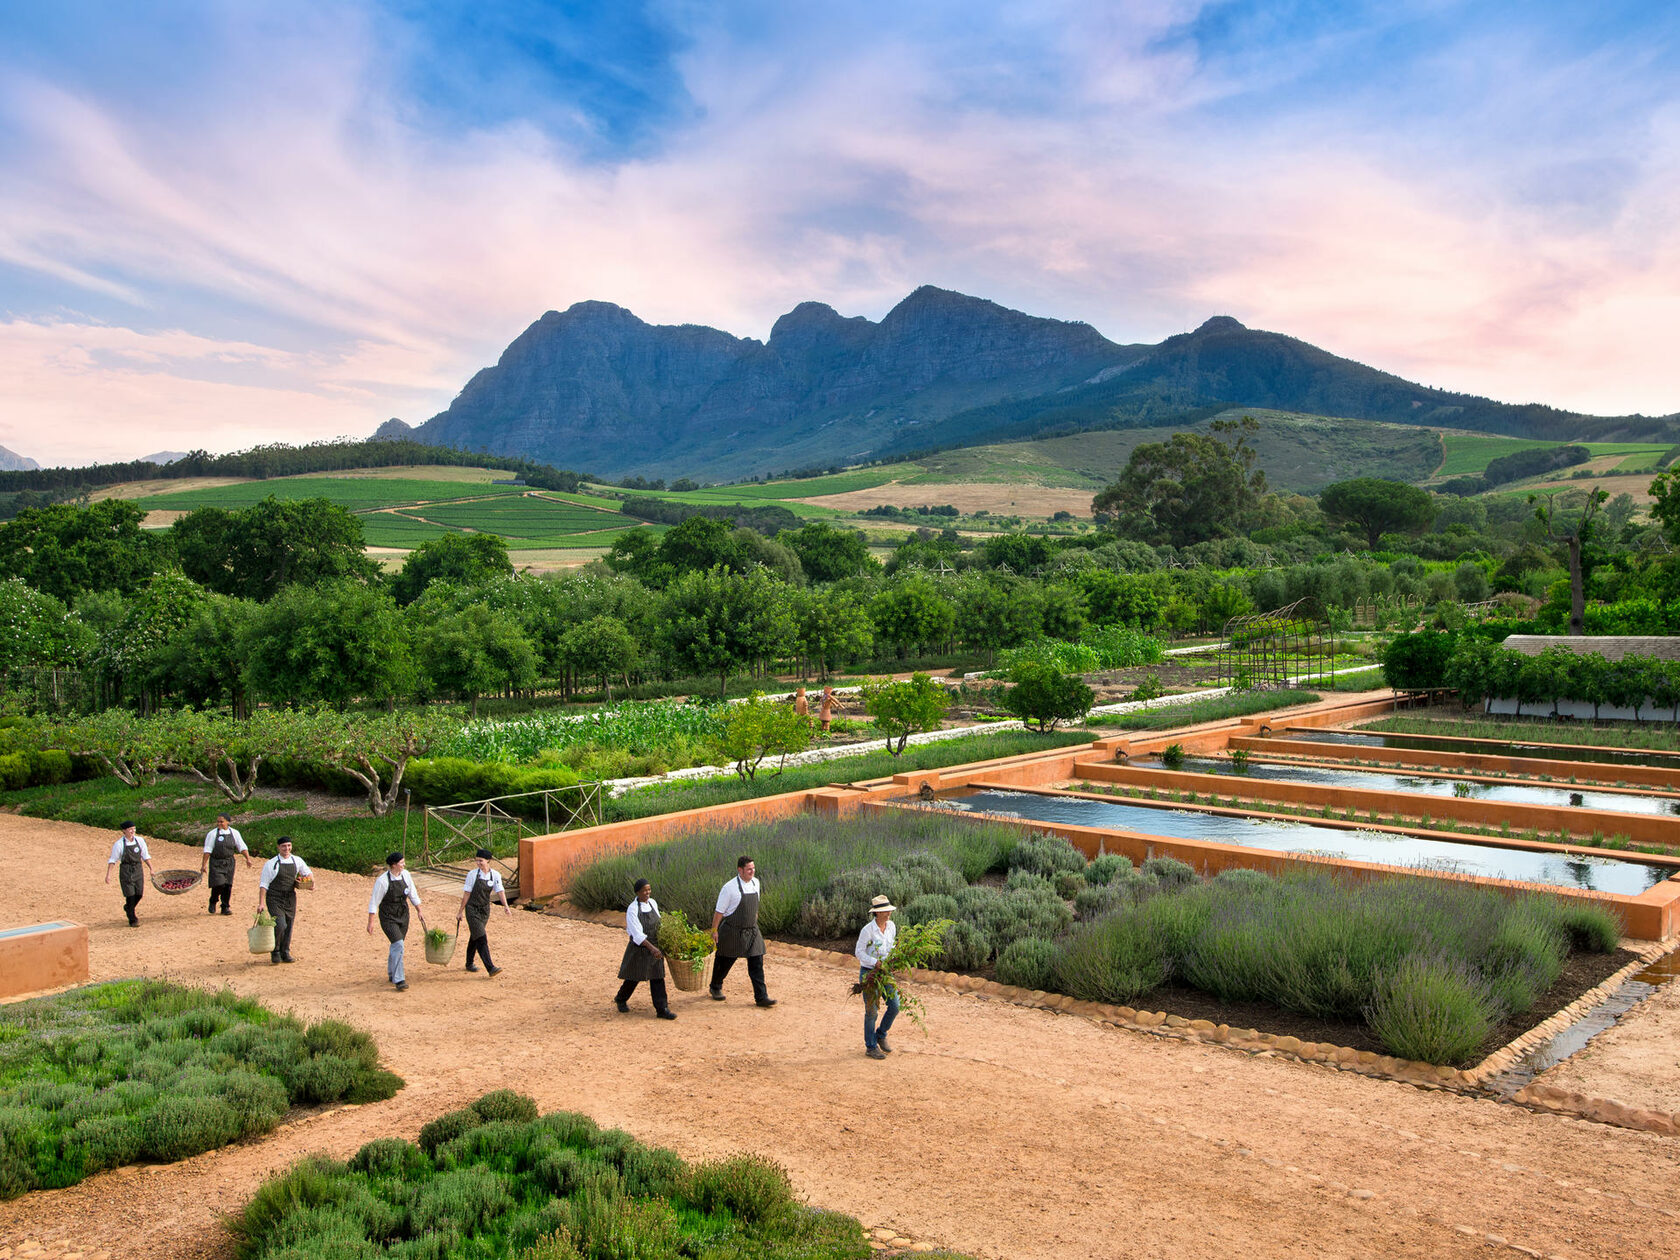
<point x="440" y="946"/>
<point x="260" y="937"/>
<point x="686" y="949"/>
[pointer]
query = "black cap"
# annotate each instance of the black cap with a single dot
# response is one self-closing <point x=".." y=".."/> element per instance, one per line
<point x="485" y="853"/>
<point x="127" y="825"/>
<point x="641" y="884"/>
<point x="392" y="858"/>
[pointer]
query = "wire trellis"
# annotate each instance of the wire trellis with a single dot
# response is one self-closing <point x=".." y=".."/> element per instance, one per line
<point x="1269" y="651"/>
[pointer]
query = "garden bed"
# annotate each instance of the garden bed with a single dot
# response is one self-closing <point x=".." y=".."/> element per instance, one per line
<point x="143" y="1071"/>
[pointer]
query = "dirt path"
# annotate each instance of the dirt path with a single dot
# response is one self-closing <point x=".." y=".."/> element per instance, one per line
<point x="1001" y="1131"/>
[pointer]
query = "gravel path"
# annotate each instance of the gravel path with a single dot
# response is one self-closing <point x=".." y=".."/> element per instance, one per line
<point x="1000" y="1131"/>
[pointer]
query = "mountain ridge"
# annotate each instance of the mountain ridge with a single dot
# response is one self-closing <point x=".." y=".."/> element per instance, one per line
<point x="595" y="387"/>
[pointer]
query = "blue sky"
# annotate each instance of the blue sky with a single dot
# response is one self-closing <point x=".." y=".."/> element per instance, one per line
<point x="224" y="223"/>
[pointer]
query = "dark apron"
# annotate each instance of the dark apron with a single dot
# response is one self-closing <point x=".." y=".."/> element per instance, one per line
<point x="130" y="876"/>
<point x="478" y="905"/>
<point x="640" y="963"/>
<point x="222" y="860"/>
<point x="282" y="889"/>
<point x="393" y="910"/>
<point x="738" y="935"/>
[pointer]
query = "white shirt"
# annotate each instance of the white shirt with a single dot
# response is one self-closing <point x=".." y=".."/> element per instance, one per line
<point x="730" y="898"/>
<point x="874" y="944"/>
<point x="117" y="850"/>
<point x="633" y="919"/>
<point x="271" y="868"/>
<point x="383" y="884"/>
<point x="493" y="878"/>
<point x="210" y="839"/>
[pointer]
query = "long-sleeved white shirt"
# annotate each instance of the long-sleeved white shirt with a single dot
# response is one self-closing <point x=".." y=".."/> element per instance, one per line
<point x="383" y="883"/>
<point x="271" y="868"/>
<point x="873" y="944"/>
<point x="117" y="850"/>
<point x="729" y="899"/>
<point x="210" y="840"/>
<point x="633" y="920"/>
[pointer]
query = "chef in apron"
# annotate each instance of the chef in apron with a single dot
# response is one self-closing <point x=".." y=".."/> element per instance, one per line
<point x="642" y="959"/>
<point x="392" y="893"/>
<point x="128" y="855"/>
<point x="222" y="845"/>
<point x="277" y="892"/>
<point x="735" y="929"/>
<point x="483" y="884"/>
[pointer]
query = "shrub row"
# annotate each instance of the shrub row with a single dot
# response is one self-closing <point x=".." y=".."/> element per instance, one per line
<point x="495" y="1179"/>
<point x="143" y="1070"/>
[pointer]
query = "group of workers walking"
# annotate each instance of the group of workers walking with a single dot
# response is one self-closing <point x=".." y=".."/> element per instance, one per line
<point x="734" y="927"/>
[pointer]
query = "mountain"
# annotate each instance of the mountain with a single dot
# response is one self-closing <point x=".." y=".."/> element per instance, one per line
<point x="11" y="461"/>
<point x="163" y="457"/>
<point x="596" y="388"/>
<point x="393" y="430"/>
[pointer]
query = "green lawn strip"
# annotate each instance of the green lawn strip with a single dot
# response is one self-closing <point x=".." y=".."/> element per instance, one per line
<point x="354" y="493"/>
<point x="1215" y="710"/>
<point x="496" y="1180"/>
<point x="1432" y="968"/>
<point x="1353" y="680"/>
<point x="666" y="798"/>
<point x="144" y="1071"/>
<point x="1534" y="730"/>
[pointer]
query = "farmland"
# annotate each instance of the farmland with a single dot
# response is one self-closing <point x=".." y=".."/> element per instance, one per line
<point x="1468" y="454"/>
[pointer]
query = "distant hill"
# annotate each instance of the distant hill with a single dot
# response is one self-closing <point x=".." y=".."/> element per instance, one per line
<point x="11" y="461"/>
<point x="161" y="458"/>
<point x="597" y="387"/>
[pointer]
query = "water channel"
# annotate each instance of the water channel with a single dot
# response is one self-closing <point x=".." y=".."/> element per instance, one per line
<point x="1377" y="781"/>
<point x="1495" y="748"/>
<point x="1612" y="875"/>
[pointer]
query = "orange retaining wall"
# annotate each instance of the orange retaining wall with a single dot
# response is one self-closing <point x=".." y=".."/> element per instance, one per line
<point x="1535" y="767"/>
<point x="42" y="956"/>
<point x="1644" y="828"/>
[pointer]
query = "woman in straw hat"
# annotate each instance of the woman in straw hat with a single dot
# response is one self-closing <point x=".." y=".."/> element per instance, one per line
<point x="874" y="943"/>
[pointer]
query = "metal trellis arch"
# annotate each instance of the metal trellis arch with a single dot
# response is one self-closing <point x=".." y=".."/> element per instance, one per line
<point x="1274" y="650"/>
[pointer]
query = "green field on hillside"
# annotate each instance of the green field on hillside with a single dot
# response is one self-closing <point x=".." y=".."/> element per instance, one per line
<point x="355" y="493"/>
<point x="1470" y="453"/>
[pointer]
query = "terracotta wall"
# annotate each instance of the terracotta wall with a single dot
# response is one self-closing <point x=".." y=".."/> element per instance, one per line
<point x="1560" y="771"/>
<point x="42" y="956"/>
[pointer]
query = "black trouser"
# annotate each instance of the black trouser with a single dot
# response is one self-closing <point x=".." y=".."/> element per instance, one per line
<point x="221" y="892"/>
<point x="129" y="902"/>
<point x="655" y="987"/>
<point x="755" y="973"/>
<point x="283" y="914"/>
<point x="479" y="945"/>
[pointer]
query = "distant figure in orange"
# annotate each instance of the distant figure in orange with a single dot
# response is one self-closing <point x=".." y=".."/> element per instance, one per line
<point x="801" y="705"/>
<point x="825" y="714"/>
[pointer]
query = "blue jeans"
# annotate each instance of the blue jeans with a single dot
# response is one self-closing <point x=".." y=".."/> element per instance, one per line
<point x="394" y="964"/>
<point x="873" y="1032"/>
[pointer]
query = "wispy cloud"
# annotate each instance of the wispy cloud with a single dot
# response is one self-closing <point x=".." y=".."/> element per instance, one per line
<point x="325" y="215"/>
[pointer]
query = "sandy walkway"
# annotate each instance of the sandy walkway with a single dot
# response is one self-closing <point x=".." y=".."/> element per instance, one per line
<point x="1002" y="1131"/>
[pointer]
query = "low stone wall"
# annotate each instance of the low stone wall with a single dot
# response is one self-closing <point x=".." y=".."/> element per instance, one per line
<point x="42" y="956"/>
<point x="1533" y="767"/>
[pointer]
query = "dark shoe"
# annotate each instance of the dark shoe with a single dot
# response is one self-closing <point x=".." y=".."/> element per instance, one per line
<point x="623" y="1007"/>
<point x="882" y="1042"/>
<point x="227" y="911"/>
<point x="495" y="971"/>
<point x="765" y="1001"/>
<point x="875" y="1052"/>
<point x="274" y="960"/>
<point x="211" y="910"/>
<point x="287" y="958"/>
<point x="472" y="966"/>
<point x="715" y="994"/>
<point x="402" y="986"/>
<point x="667" y="1014"/>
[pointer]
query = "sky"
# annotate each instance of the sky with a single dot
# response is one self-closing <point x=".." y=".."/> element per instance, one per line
<point x="226" y="222"/>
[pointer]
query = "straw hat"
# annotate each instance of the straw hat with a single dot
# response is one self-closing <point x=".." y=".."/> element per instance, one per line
<point x="879" y="904"/>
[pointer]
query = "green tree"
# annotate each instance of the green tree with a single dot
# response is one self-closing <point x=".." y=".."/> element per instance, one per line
<point x="720" y="623"/>
<point x="827" y="553"/>
<point x="994" y="614"/>
<point x="902" y="709"/>
<point x="1378" y="506"/>
<point x="1187" y="490"/>
<point x="37" y="629"/>
<point x="911" y="612"/>
<point x="756" y="728"/>
<point x="1417" y="662"/>
<point x="224" y="752"/>
<point x="474" y="651"/>
<point x="254" y="552"/>
<point x="63" y="550"/>
<point x="203" y="662"/>
<point x="130" y="747"/>
<point x="1121" y="599"/>
<point x="636" y="554"/>
<point x="464" y="559"/>
<point x="373" y="750"/>
<point x="1570" y="520"/>
<point x="830" y="626"/>
<point x="1043" y="697"/>
<point x="134" y="653"/>
<point x="330" y="644"/>
<point x="701" y="543"/>
<point x="601" y="647"/>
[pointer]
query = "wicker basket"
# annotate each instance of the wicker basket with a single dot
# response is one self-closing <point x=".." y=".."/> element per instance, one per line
<point x="688" y="974"/>
<point x="161" y="878"/>
<point x="441" y="954"/>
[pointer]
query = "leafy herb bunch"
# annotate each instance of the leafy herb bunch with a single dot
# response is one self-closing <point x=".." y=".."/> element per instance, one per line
<point x="917" y="945"/>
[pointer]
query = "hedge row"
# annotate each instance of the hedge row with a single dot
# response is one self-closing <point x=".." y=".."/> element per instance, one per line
<point x="1477" y="670"/>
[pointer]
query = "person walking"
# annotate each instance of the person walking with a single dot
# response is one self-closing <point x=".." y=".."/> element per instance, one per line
<point x="128" y="855"/>
<point x="482" y="885"/>
<point x="735" y="929"/>
<point x="642" y="957"/>
<point x="277" y="887"/>
<point x="222" y="845"/>
<point x="393" y="892"/>
<point x="874" y="943"/>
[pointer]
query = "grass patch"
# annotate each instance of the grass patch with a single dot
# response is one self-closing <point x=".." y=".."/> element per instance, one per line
<point x="1354" y="680"/>
<point x="489" y="1180"/>
<point x="1641" y="735"/>
<point x="142" y="1071"/>
<point x="1172" y="716"/>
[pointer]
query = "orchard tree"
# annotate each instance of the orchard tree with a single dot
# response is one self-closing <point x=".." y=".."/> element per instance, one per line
<point x="721" y="623"/>
<point x="475" y="651"/>
<point x="827" y="553"/>
<point x="225" y="752"/>
<point x="329" y="644"/>
<point x="1043" y="697"/>
<point x="64" y="550"/>
<point x="255" y="552"/>
<point x="830" y="626"/>
<point x="130" y="747"/>
<point x="37" y="629"/>
<point x="204" y="661"/>
<point x="993" y="614"/>
<point x="902" y="709"/>
<point x="463" y="559"/>
<point x="912" y="612"/>
<point x="1571" y="523"/>
<point x="601" y="647"/>
<point x="374" y="749"/>
<point x="1378" y="506"/>
<point x="756" y="728"/>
